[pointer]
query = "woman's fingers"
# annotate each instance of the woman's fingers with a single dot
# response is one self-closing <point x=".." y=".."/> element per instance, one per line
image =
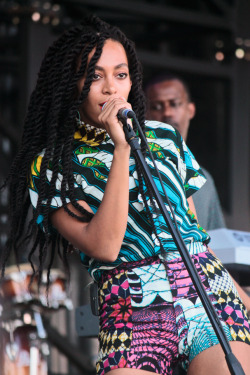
<point x="108" y="118"/>
<point x="111" y="108"/>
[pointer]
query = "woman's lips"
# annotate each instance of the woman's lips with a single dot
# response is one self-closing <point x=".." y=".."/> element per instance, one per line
<point x="102" y="105"/>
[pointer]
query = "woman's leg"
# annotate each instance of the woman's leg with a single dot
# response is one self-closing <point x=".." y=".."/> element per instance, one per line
<point x="200" y="344"/>
<point x="138" y="332"/>
<point x="212" y="360"/>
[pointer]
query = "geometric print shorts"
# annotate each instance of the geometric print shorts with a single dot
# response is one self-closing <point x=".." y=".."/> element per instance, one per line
<point x="151" y="317"/>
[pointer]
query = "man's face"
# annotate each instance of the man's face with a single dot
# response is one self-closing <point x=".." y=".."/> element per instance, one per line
<point x="168" y="102"/>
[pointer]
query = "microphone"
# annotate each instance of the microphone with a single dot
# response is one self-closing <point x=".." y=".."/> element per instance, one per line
<point x="124" y="114"/>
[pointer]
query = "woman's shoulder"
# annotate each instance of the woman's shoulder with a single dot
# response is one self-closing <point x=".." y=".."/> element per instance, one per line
<point x="161" y="130"/>
<point x="164" y="135"/>
<point x="36" y="163"/>
<point x="153" y="124"/>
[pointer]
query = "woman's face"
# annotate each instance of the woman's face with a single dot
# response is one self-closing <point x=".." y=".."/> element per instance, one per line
<point x="111" y="78"/>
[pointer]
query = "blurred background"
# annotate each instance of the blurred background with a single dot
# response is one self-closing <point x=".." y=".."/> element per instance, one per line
<point x="206" y="41"/>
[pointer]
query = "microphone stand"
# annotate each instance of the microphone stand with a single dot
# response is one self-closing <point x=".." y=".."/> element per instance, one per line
<point x="232" y="362"/>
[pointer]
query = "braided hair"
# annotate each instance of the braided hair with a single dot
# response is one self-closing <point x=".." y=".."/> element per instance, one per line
<point x="50" y="126"/>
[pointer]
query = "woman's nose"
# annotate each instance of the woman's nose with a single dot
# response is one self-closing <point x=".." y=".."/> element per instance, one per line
<point x="109" y="87"/>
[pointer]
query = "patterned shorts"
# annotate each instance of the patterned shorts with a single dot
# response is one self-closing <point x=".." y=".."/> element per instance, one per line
<point x="151" y="317"/>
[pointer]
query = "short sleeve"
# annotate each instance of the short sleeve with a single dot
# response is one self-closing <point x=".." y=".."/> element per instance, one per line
<point x="34" y="187"/>
<point x="195" y="177"/>
<point x="166" y="142"/>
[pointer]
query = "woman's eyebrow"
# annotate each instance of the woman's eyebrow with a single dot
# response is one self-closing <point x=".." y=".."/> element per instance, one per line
<point x="116" y="67"/>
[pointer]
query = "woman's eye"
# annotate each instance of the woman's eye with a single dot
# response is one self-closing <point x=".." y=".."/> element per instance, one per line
<point x="96" y="77"/>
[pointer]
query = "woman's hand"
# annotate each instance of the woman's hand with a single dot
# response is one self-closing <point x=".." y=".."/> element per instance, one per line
<point x="108" y="118"/>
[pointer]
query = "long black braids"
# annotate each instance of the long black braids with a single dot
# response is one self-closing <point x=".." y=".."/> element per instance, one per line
<point x="46" y="128"/>
<point x="49" y="130"/>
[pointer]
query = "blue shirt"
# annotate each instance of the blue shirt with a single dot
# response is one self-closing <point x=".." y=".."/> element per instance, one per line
<point x="181" y="176"/>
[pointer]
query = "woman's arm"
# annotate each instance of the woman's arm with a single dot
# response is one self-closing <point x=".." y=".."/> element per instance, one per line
<point x="102" y="237"/>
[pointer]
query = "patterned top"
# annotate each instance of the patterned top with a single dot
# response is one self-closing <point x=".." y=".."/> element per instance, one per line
<point x="181" y="177"/>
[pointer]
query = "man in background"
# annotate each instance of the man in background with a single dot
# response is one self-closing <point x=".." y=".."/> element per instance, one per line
<point x="169" y="101"/>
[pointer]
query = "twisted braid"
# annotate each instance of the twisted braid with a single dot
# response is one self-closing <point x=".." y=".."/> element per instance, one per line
<point x="49" y="128"/>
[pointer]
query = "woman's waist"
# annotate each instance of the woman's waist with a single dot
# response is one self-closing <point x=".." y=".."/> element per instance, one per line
<point x="161" y="256"/>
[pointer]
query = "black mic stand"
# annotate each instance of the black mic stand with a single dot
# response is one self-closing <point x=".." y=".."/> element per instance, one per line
<point x="232" y="362"/>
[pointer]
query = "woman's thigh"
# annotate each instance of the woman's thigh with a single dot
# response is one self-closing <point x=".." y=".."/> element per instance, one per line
<point x="212" y="360"/>
<point x="200" y="338"/>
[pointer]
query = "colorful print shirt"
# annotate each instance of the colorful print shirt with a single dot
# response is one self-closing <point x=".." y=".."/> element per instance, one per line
<point x="181" y="177"/>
